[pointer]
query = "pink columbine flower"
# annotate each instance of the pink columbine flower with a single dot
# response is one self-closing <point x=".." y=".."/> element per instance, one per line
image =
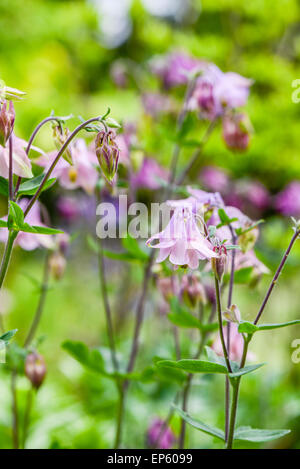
<point x="174" y="68"/>
<point x="29" y="241"/>
<point x="82" y="174"/>
<point x="236" y="131"/>
<point x="150" y="175"/>
<point x="160" y="437"/>
<point x="21" y="162"/>
<point x="182" y="240"/>
<point x="156" y="103"/>
<point x="215" y="92"/>
<point x="287" y="202"/>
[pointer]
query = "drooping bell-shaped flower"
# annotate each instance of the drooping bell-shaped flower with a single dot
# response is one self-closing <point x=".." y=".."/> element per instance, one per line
<point x="21" y="162"/>
<point x="160" y="435"/>
<point x="236" y="131"/>
<point x="108" y="153"/>
<point x="7" y="120"/>
<point x="35" y="369"/>
<point x="182" y="240"/>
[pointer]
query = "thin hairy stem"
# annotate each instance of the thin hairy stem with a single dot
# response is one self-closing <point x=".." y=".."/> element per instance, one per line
<point x="7" y="255"/>
<point x="275" y="278"/>
<point x="10" y="169"/>
<point x="219" y="310"/>
<point x="228" y="330"/>
<point x="57" y="158"/>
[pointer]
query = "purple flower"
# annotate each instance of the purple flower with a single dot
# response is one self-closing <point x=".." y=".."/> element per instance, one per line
<point x="21" y="162"/>
<point x="287" y="201"/>
<point x="156" y="103"/>
<point x="182" y="240"/>
<point x="30" y="241"/>
<point x="81" y="174"/>
<point x="159" y="435"/>
<point x="216" y="92"/>
<point x="149" y="175"/>
<point x="174" y="68"/>
<point x="236" y="131"/>
<point x="68" y="208"/>
<point x="214" y="179"/>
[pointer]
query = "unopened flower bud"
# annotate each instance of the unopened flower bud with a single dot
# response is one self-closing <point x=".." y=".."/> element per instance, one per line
<point x="219" y="263"/>
<point x="232" y="314"/>
<point x="166" y="287"/>
<point x="60" y="136"/>
<point x="7" y="120"/>
<point x="35" y="369"/>
<point x="160" y="435"/>
<point x="236" y="131"/>
<point x="107" y="152"/>
<point x="57" y="264"/>
<point x="63" y="242"/>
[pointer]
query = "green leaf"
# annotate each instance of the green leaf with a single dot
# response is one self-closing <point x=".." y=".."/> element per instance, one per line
<point x="257" y="435"/>
<point x="194" y="366"/>
<point x="3" y="186"/>
<point x="44" y="230"/>
<point x="225" y="220"/>
<point x="7" y="336"/>
<point x="3" y="224"/>
<point x="91" y="359"/>
<point x="16" y="215"/>
<point x="247" y="369"/>
<point x="250" y="328"/>
<point x="133" y="248"/>
<point x="213" y="431"/>
<point x="243" y="275"/>
<point x="31" y="186"/>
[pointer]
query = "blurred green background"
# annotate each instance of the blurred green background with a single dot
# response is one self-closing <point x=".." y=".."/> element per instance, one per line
<point x="60" y="53"/>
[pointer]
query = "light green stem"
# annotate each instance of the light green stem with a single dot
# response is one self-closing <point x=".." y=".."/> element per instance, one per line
<point x="7" y="255"/>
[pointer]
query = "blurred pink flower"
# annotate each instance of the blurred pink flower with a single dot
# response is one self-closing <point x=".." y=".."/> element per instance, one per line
<point x="174" y="68"/>
<point x="249" y="259"/>
<point x="216" y="92"/>
<point x="149" y="175"/>
<point x="156" y="103"/>
<point x="29" y="241"/>
<point x="160" y="435"/>
<point x="82" y="174"/>
<point x="21" y="162"/>
<point x="236" y="342"/>
<point x="68" y="208"/>
<point x="287" y="201"/>
<point x="182" y="241"/>
<point x="236" y="132"/>
<point x="214" y="179"/>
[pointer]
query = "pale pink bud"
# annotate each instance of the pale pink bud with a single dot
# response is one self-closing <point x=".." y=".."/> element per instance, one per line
<point x="7" y="120"/>
<point x="57" y="264"/>
<point x="35" y="369"/>
<point x="108" y="153"/>
<point x="236" y="131"/>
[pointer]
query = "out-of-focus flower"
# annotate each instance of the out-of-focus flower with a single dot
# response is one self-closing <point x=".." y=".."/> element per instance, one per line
<point x="35" y="369"/>
<point x="160" y="435"/>
<point x="214" y="179"/>
<point x="156" y="103"/>
<point x="6" y="301"/>
<point x="287" y="201"/>
<point x="7" y="120"/>
<point x="118" y="73"/>
<point x="68" y="208"/>
<point x="236" y="341"/>
<point x="81" y="174"/>
<point x="166" y="286"/>
<point x="182" y="240"/>
<point x="62" y="242"/>
<point x="248" y="239"/>
<point x="21" y="162"/>
<point x="236" y="131"/>
<point x="57" y="264"/>
<point x="150" y="175"/>
<point x="174" y="69"/>
<point x="192" y="290"/>
<point x="249" y="259"/>
<point x="108" y="153"/>
<point x="30" y="241"/>
<point x="216" y="92"/>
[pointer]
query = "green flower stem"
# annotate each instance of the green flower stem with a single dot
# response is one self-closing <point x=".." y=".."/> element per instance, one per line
<point x="235" y="396"/>
<point x="7" y="255"/>
<point x="219" y="310"/>
<point x="57" y="158"/>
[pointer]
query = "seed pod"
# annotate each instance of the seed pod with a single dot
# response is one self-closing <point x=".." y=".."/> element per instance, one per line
<point x="7" y="120"/>
<point x="35" y="369"/>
